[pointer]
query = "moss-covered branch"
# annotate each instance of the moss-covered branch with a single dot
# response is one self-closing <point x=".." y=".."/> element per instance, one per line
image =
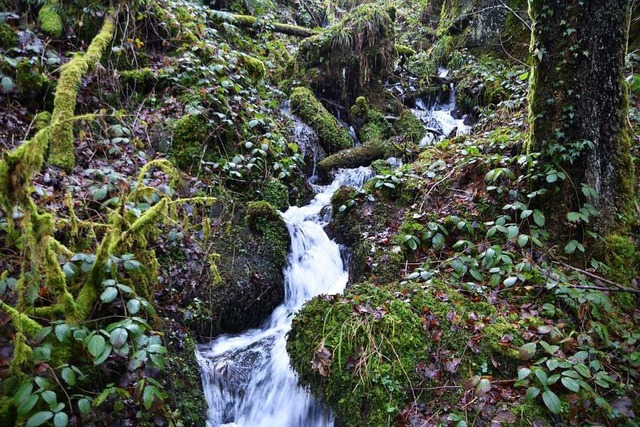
<point x="354" y="157"/>
<point x="64" y="104"/>
<point x="248" y="21"/>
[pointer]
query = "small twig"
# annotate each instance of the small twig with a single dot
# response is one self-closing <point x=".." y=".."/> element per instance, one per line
<point x="595" y="276"/>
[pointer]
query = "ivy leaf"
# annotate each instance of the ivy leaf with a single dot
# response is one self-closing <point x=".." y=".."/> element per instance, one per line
<point x="552" y="401"/>
<point x="132" y="265"/>
<point x="23" y="392"/>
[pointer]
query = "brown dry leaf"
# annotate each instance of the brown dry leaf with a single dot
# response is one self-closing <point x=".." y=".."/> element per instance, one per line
<point x="321" y="360"/>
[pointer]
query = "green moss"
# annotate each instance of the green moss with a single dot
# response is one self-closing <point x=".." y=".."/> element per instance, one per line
<point x="360" y="109"/>
<point x="140" y="79"/>
<point x="41" y="120"/>
<point x="189" y="137"/>
<point x="61" y="143"/>
<point x="276" y="193"/>
<point x="404" y="51"/>
<point x="621" y="256"/>
<point x="186" y="384"/>
<point x="50" y="20"/>
<point x="29" y="78"/>
<point x="332" y="135"/>
<point x="8" y="412"/>
<point x="352" y="56"/>
<point x="410" y="127"/>
<point x="361" y="155"/>
<point x="255" y="68"/>
<point x="8" y="37"/>
<point x="264" y="219"/>
<point x="378" y="336"/>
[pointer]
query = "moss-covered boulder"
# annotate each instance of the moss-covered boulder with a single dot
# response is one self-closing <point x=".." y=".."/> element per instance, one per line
<point x="8" y="37"/>
<point x="351" y="57"/>
<point x="332" y="135"/>
<point x="276" y="193"/>
<point x="50" y="20"/>
<point x="367" y="352"/>
<point x="251" y="250"/>
<point x="189" y="137"/>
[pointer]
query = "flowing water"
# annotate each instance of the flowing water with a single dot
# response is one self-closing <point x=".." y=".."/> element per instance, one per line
<point x="439" y="118"/>
<point x="247" y="378"/>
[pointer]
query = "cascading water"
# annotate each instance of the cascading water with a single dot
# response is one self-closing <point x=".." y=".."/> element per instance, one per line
<point x="247" y="378"/>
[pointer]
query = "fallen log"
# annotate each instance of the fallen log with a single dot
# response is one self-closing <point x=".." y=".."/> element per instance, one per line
<point x="248" y="21"/>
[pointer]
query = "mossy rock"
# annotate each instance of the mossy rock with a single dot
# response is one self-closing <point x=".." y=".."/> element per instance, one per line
<point x="141" y="80"/>
<point x="276" y="193"/>
<point x="29" y="78"/>
<point x="252" y="245"/>
<point x="185" y="382"/>
<point x="189" y="137"/>
<point x="409" y="127"/>
<point x="264" y="219"/>
<point x="365" y="351"/>
<point x="50" y="20"/>
<point x="8" y="37"/>
<point x="351" y="56"/>
<point x="332" y="135"/>
<point x="255" y="68"/>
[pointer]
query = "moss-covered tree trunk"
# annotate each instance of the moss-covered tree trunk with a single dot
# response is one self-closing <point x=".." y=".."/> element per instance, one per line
<point x="578" y="108"/>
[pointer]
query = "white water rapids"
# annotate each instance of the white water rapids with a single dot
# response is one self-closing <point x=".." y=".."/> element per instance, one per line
<point x="247" y="379"/>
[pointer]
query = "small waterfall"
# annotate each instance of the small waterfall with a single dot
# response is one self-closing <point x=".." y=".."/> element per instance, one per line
<point x="305" y="137"/>
<point x="247" y="378"/>
<point x="438" y="117"/>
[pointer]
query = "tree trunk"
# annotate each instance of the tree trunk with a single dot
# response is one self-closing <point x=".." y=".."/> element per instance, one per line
<point x="578" y="109"/>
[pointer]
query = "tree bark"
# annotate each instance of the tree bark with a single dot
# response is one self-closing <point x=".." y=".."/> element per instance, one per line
<point x="578" y="108"/>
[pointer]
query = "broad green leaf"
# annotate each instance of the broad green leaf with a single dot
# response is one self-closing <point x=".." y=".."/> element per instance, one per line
<point x="523" y="373"/>
<point x="49" y="397"/>
<point x="522" y="240"/>
<point x="532" y="393"/>
<point x="118" y="337"/>
<point x="552" y="401"/>
<point x="551" y="349"/>
<point x="23" y="392"/>
<point x="63" y="332"/>
<point x="510" y="281"/>
<point x="69" y="376"/>
<point x="527" y="351"/>
<point x="105" y="354"/>
<point x="27" y="405"/>
<point x="39" y="418"/>
<point x="582" y="370"/>
<point x="61" y="420"/>
<point x="147" y="396"/>
<point x="109" y="294"/>
<point x="483" y="387"/>
<point x="542" y="376"/>
<point x="85" y="406"/>
<point x="570" y="384"/>
<point x="96" y="345"/>
<point x="538" y="218"/>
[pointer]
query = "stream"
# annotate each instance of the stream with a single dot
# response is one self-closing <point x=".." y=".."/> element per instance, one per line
<point x="247" y="378"/>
